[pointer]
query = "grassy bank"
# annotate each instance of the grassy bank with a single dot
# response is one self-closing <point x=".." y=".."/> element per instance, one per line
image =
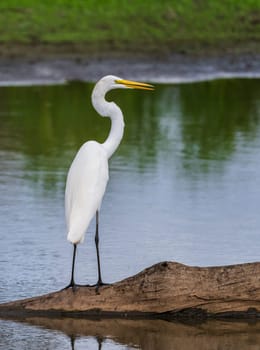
<point x="130" y="25"/>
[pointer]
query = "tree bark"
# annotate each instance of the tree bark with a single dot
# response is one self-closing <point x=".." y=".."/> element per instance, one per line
<point x="164" y="290"/>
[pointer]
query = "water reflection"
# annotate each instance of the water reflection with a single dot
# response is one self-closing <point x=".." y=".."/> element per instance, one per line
<point x="98" y="339"/>
<point x="216" y="116"/>
<point x="145" y="334"/>
<point x="195" y="121"/>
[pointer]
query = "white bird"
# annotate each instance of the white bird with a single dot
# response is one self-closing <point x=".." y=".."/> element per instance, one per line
<point x="88" y="174"/>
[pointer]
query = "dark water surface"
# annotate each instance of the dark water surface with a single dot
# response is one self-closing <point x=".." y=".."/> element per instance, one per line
<point x="184" y="186"/>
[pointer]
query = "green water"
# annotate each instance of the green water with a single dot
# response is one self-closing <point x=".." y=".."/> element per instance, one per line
<point x="184" y="184"/>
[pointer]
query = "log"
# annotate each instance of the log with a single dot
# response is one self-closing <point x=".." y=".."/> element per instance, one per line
<point x="165" y="290"/>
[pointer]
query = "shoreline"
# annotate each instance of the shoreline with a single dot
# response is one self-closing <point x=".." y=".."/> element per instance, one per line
<point x="175" y="68"/>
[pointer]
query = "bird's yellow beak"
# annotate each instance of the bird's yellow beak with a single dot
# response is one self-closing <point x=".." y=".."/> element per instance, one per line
<point x="135" y="84"/>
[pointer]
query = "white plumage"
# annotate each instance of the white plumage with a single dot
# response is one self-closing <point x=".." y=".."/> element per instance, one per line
<point x="88" y="174"/>
<point x="85" y="188"/>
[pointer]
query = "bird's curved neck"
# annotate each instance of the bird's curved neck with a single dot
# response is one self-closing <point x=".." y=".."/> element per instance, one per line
<point x="116" y="132"/>
<point x="111" y="110"/>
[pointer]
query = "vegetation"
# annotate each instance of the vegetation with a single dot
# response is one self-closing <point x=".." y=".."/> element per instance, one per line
<point x="147" y="25"/>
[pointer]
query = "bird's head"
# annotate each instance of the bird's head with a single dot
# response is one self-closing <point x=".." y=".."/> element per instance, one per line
<point x="110" y="82"/>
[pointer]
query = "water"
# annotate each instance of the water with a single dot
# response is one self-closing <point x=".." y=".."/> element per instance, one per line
<point x="52" y="334"/>
<point x="184" y="186"/>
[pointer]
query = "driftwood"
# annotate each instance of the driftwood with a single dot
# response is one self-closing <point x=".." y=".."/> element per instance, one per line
<point x="165" y="290"/>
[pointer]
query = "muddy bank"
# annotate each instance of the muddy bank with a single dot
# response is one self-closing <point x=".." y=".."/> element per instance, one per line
<point x="173" y="69"/>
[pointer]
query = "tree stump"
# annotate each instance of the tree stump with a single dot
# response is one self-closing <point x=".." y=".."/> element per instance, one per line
<point x="165" y="290"/>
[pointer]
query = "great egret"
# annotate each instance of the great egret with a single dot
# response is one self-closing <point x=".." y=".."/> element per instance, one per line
<point x="88" y="174"/>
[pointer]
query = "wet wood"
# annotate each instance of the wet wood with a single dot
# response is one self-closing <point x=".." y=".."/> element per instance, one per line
<point x="167" y="289"/>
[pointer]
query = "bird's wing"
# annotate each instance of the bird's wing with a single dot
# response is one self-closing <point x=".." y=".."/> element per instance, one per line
<point x="85" y="187"/>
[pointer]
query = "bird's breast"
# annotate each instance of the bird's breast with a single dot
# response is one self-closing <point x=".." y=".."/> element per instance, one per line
<point x="85" y="187"/>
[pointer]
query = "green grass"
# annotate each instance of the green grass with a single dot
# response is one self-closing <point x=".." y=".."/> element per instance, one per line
<point x="131" y="24"/>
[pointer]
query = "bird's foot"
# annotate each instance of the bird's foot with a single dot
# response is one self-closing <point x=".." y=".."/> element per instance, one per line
<point x="96" y="286"/>
<point x="73" y="286"/>
<point x="99" y="284"/>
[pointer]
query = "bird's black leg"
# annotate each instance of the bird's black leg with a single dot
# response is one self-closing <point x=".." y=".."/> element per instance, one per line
<point x="72" y="282"/>
<point x="99" y="282"/>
